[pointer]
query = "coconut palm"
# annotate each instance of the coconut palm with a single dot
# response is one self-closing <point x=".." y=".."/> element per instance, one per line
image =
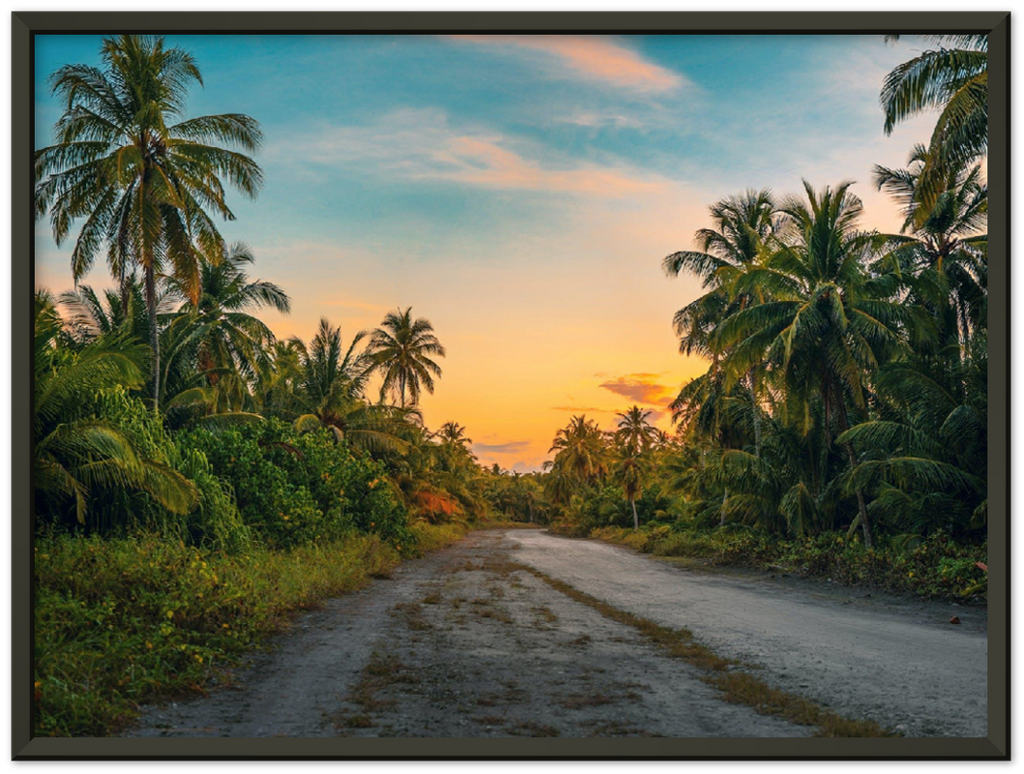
<point x="142" y="176"/>
<point x="953" y="78"/>
<point x="743" y="224"/>
<point x="743" y="228"/>
<point x="580" y="453"/>
<point x="232" y="341"/>
<point x="330" y="369"/>
<point x="629" y="473"/>
<point x="92" y="314"/>
<point x="77" y="452"/>
<point x="330" y="393"/>
<point x="635" y="436"/>
<point x="453" y="434"/>
<point x="943" y="243"/>
<point x="829" y="322"/>
<point x="401" y="350"/>
<point x="927" y="465"/>
<point x="634" y="432"/>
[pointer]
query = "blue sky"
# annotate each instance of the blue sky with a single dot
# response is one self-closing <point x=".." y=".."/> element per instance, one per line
<point x="520" y="191"/>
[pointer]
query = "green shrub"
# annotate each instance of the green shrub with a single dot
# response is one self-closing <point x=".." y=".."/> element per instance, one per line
<point x="294" y="488"/>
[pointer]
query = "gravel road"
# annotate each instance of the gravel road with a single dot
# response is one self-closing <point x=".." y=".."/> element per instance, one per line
<point x="462" y="643"/>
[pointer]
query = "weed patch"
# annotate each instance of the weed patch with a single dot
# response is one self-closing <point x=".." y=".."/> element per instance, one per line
<point x="121" y="622"/>
<point x="529" y="728"/>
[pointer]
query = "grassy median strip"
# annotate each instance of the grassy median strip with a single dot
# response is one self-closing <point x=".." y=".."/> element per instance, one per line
<point x="736" y="686"/>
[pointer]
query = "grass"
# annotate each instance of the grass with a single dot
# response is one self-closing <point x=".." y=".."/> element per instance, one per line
<point x="530" y="728"/>
<point x="545" y="613"/>
<point x="936" y="567"/>
<point x="412" y="614"/>
<point x="381" y="671"/>
<point x="578" y="701"/>
<point x="127" y="621"/>
<point x="736" y="686"/>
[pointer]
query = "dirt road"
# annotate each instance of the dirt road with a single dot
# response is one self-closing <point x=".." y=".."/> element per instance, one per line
<point x="467" y="643"/>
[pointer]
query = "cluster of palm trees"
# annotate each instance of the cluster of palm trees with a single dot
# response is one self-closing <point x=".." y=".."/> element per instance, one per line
<point x="847" y="367"/>
<point x="587" y="459"/>
<point x="181" y="329"/>
<point x="846" y="385"/>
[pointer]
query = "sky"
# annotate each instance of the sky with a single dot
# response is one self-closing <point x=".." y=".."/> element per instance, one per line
<point x="519" y="192"/>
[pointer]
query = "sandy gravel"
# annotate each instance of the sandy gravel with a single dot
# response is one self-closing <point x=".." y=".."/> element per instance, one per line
<point x="461" y="644"/>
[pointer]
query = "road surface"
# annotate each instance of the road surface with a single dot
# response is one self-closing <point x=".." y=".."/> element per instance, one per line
<point x="466" y="643"/>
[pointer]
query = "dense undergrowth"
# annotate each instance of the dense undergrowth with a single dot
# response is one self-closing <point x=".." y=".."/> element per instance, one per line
<point x="934" y="567"/>
<point x="124" y="621"/>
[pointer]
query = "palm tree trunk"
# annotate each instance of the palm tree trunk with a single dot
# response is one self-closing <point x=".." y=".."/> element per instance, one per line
<point x="154" y="336"/>
<point x="844" y="425"/>
<point x="636" y="519"/>
<point x="757" y="411"/>
<point x="721" y="518"/>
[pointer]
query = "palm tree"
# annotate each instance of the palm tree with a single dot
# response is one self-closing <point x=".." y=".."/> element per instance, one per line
<point x="953" y="78"/>
<point x="630" y="473"/>
<point x="233" y="341"/>
<point x="635" y="436"/>
<point x="452" y="454"/>
<point x="400" y="349"/>
<point x="330" y="393"/>
<point x="634" y="432"/>
<point x="93" y="314"/>
<point x="580" y="451"/>
<point x="943" y="243"/>
<point x="928" y="461"/>
<point x="141" y="176"/>
<point x="330" y="369"/>
<point x="454" y="434"/>
<point x="743" y="227"/>
<point x="77" y="452"/>
<point x="828" y="323"/>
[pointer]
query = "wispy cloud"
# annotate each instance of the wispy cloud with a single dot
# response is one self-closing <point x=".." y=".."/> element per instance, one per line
<point x="581" y="409"/>
<point x="642" y="388"/>
<point x="591" y="57"/>
<point x="598" y="119"/>
<point x="420" y="144"/>
<point x="512" y="447"/>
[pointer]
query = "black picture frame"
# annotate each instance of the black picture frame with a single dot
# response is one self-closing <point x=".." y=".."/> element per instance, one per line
<point x="25" y="25"/>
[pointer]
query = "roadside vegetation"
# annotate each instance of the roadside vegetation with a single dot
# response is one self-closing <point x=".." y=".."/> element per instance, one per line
<point x="198" y="479"/>
<point x="841" y="425"/>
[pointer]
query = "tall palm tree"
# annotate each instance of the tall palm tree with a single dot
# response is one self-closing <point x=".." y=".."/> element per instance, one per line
<point x="141" y="175"/>
<point x="954" y="78"/>
<point x="829" y="322"/>
<point x="743" y="224"/>
<point x="943" y="244"/>
<point x="454" y="434"/>
<point x="634" y="432"/>
<point x="580" y="451"/>
<point x="743" y="228"/>
<point x="635" y="437"/>
<point x="330" y="369"/>
<point x="401" y="348"/>
<point x="233" y="339"/>
<point x="330" y="393"/>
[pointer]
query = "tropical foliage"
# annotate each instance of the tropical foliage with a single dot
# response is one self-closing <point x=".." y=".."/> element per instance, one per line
<point x="142" y="176"/>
